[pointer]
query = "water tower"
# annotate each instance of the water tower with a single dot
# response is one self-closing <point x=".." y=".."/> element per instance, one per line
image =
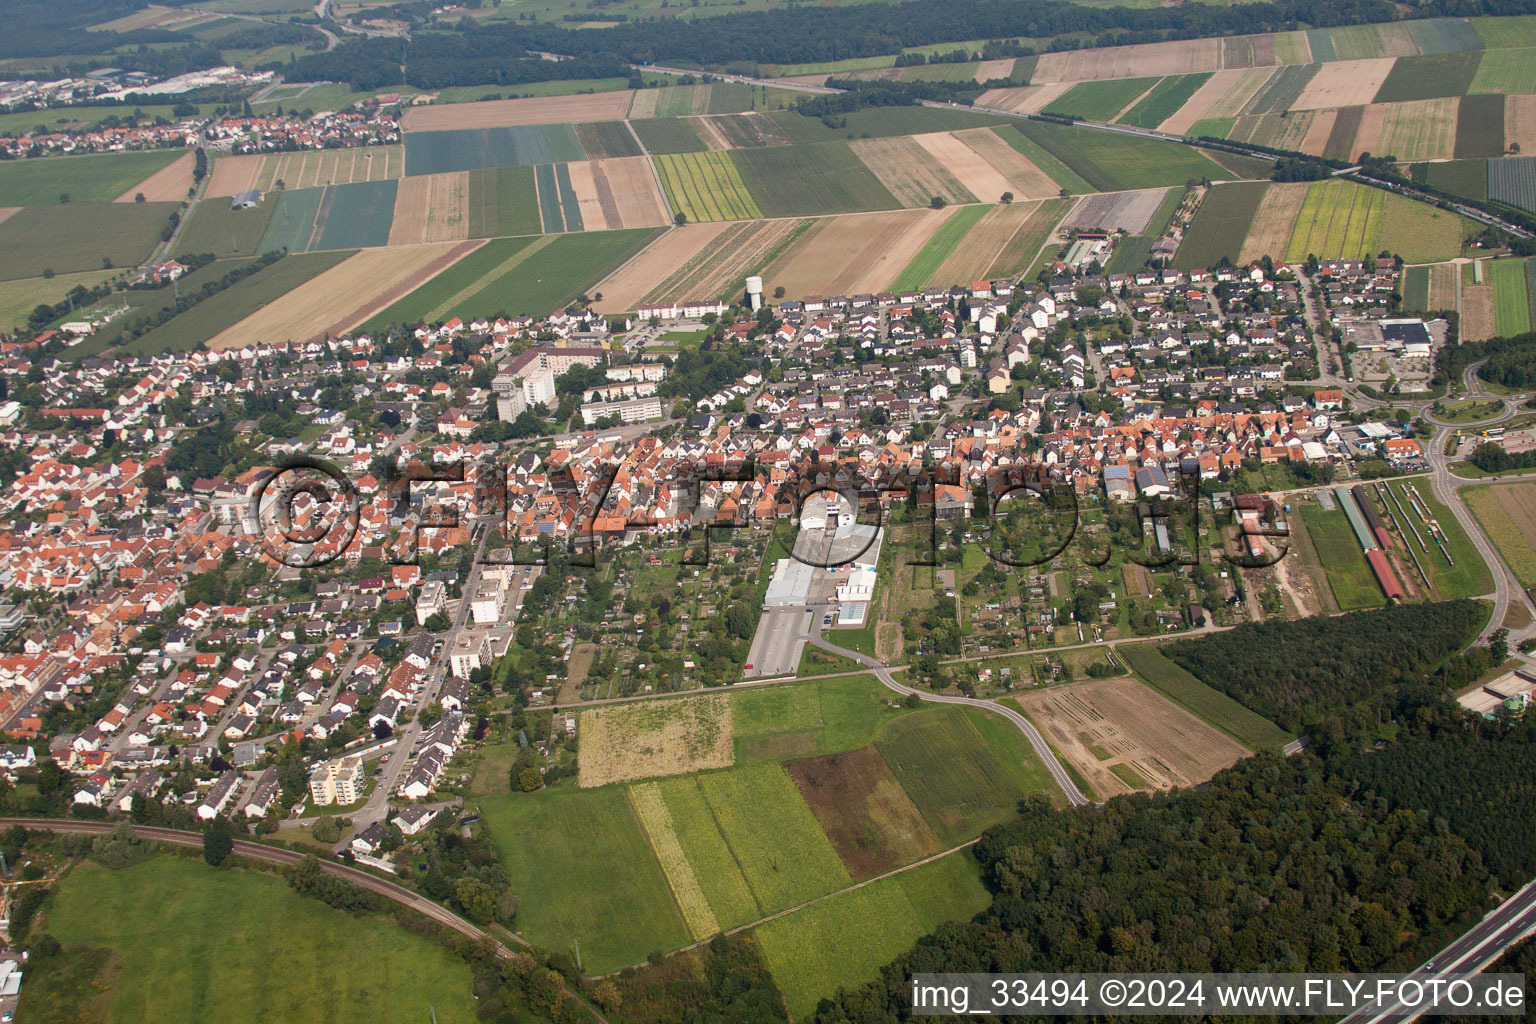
<point x="755" y="293"/>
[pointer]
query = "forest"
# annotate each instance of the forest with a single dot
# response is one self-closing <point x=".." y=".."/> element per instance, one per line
<point x="1296" y="673"/>
<point x="1492" y="458"/>
<point x="1511" y="361"/>
<point x="1269" y="867"/>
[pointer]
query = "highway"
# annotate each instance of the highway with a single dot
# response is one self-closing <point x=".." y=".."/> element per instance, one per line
<point x="1480" y="945"/>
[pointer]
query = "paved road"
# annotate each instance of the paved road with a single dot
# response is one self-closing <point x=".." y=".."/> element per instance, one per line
<point x="1479" y="946"/>
<point x="1042" y="749"/>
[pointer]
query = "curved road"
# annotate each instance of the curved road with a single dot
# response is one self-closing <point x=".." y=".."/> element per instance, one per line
<point x="882" y="672"/>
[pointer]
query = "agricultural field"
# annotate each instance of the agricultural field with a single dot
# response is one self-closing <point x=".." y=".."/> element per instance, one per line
<point x="617" y="193"/>
<point x="542" y="110"/>
<point x="431" y="208"/>
<point x="1164" y="100"/>
<point x="1282" y="90"/>
<point x="1512" y="181"/>
<point x="877" y="122"/>
<point x="503" y="201"/>
<point x="1421" y="233"/>
<point x="261" y="950"/>
<point x="1506" y="33"/>
<point x="871" y="821"/>
<point x="436" y="299"/>
<point x="1221" y="225"/>
<point x="73" y="237"/>
<point x="1503" y="72"/>
<point x="1338" y="220"/>
<point x="1480" y="126"/>
<point x="1344" y="83"/>
<point x="1418" y="130"/>
<point x="305" y="169"/>
<point x="699" y="261"/>
<point x="170" y="184"/>
<point x="1141" y="60"/>
<point x="1105" y="724"/>
<point x="706" y="187"/>
<point x="1460" y="177"/>
<point x="923" y="266"/>
<point x="1469" y="576"/>
<point x="437" y="152"/>
<point x="852" y="254"/>
<point x="1221" y="95"/>
<point x="1511" y="295"/>
<point x="986" y="166"/>
<point x="360" y="215"/>
<point x="669" y="135"/>
<point x="1130" y="212"/>
<point x="1520" y="122"/>
<point x="1430" y="287"/>
<point x="214" y="227"/>
<point x="559" y="208"/>
<point x="20" y="297"/>
<point x="1506" y="514"/>
<point x="1429" y="76"/>
<point x="1112" y="163"/>
<point x="743" y="131"/>
<point x="910" y="172"/>
<point x="1048" y="163"/>
<point x="372" y="278"/>
<point x="1102" y="100"/>
<point x="1005" y="241"/>
<point x="1349" y="576"/>
<point x="606" y="139"/>
<point x="1269" y="233"/>
<point x="1205" y="702"/>
<point x="798" y="181"/>
<point x="654" y="738"/>
<point x="869" y="927"/>
<point x="291" y="224"/>
<point x="93" y="178"/>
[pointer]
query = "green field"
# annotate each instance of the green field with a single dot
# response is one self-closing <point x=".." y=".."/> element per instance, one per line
<point x="1429" y="76"/>
<point x="1507" y="33"/>
<point x="1338" y="220"/>
<point x="19" y="298"/>
<point x="567" y="266"/>
<point x="714" y="864"/>
<point x="1220" y="225"/>
<point x="1020" y="252"/>
<point x="1511" y="295"/>
<point x="291" y="224"/>
<point x="668" y="135"/>
<point x="1506" y="534"/>
<point x="434" y="152"/>
<point x="1505" y="71"/>
<point x="868" y="927"/>
<point x="214" y="227"/>
<point x="1421" y="233"/>
<point x="706" y="187"/>
<point x="225" y="309"/>
<point x="503" y="201"/>
<point x="95" y="178"/>
<point x="1349" y="576"/>
<point x="1470" y="576"/>
<point x="435" y="299"/>
<point x="791" y="181"/>
<point x="879" y="122"/>
<point x="77" y="237"/>
<point x="1461" y="177"/>
<point x="256" y="951"/>
<point x="1164" y="100"/>
<point x="356" y="216"/>
<point x="1100" y="101"/>
<point x="1044" y="159"/>
<point x="602" y="139"/>
<point x="1110" y="162"/>
<point x="1480" y="126"/>
<point x="1248" y="728"/>
<point x="920" y="270"/>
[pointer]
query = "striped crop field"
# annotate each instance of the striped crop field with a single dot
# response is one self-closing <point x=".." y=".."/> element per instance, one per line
<point x="706" y="186"/>
<point x="936" y="250"/>
<point x="1512" y="180"/>
<point x="1338" y="220"/>
<point x="1511" y="298"/>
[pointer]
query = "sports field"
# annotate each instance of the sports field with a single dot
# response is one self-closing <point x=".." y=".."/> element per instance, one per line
<point x="76" y="237"/>
<point x="706" y="187"/>
<point x="94" y="178"/>
<point x="1349" y="576"/>
<point x="260" y="951"/>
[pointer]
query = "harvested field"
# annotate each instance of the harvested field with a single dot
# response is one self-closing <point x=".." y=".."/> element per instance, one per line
<point x="1028" y="99"/>
<point x="1130" y="212"/>
<point x="1477" y="312"/>
<point x="1416" y="130"/>
<point x="1520" y="122"/>
<point x="1273" y="224"/>
<point x="645" y="740"/>
<point x="855" y="253"/>
<point x="712" y="137"/>
<point x="872" y="822"/>
<point x="234" y="174"/>
<point x="1103" y="724"/>
<point x="431" y="208"/>
<point x="978" y="253"/>
<point x="654" y="817"/>
<point x="1172" y="58"/>
<point x="1018" y="255"/>
<point x="1224" y="94"/>
<point x="618" y="193"/>
<point x="1508" y="514"/>
<point x="317" y="167"/>
<point x="720" y="267"/>
<point x="1025" y="179"/>
<point x="991" y="70"/>
<point x="605" y="139"/>
<point x="1444" y="282"/>
<point x="309" y="311"/>
<point x="642" y="103"/>
<point x="910" y="172"/>
<point x="1344" y="83"/>
<point x="1282" y="90"/>
<point x="628" y="286"/>
<point x="167" y="185"/>
<point x="1330" y="131"/>
<point x="978" y="177"/>
<point x="747" y="131"/>
<point x="602" y="106"/>
<point x="923" y="267"/>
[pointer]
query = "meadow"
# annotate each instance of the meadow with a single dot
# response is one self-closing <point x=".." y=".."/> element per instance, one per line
<point x="1112" y="163"/>
<point x="1205" y="702"/>
<point x="789" y="181"/>
<point x="20" y="297"/>
<point x="214" y="227"/>
<point x="1220" y="225"/>
<point x="936" y="250"/>
<point x="1349" y="576"/>
<point x="1421" y="233"/>
<point x="706" y="187"/>
<point x="75" y="237"/>
<point x="257" y="950"/>
<point x="91" y="178"/>
<point x="1511" y="297"/>
<point x="1100" y="101"/>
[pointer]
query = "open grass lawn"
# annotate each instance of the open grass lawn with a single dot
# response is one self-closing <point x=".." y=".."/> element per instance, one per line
<point x="94" y="178"/>
<point x="76" y="237"/>
<point x="585" y="873"/>
<point x="1247" y="727"/>
<point x="1111" y="162"/>
<point x="221" y="311"/>
<point x="816" y="662"/>
<point x="196" y="945"/>
<point x="789" y="181"/>
<point x="1513" y="544"/>
<point x="565" y="267"/>
<point x="938" y="247"/>
<point x="214" y="227"/>
<point x="867" y="928"/>
<point x="1470" y="576"/>
<point x="1220" y="225"/>
<point x="1349" y="576"/>
<point x="1100" y="101"/>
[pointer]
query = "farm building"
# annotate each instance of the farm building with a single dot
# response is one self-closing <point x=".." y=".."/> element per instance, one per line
<point x="246" y="200"/>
